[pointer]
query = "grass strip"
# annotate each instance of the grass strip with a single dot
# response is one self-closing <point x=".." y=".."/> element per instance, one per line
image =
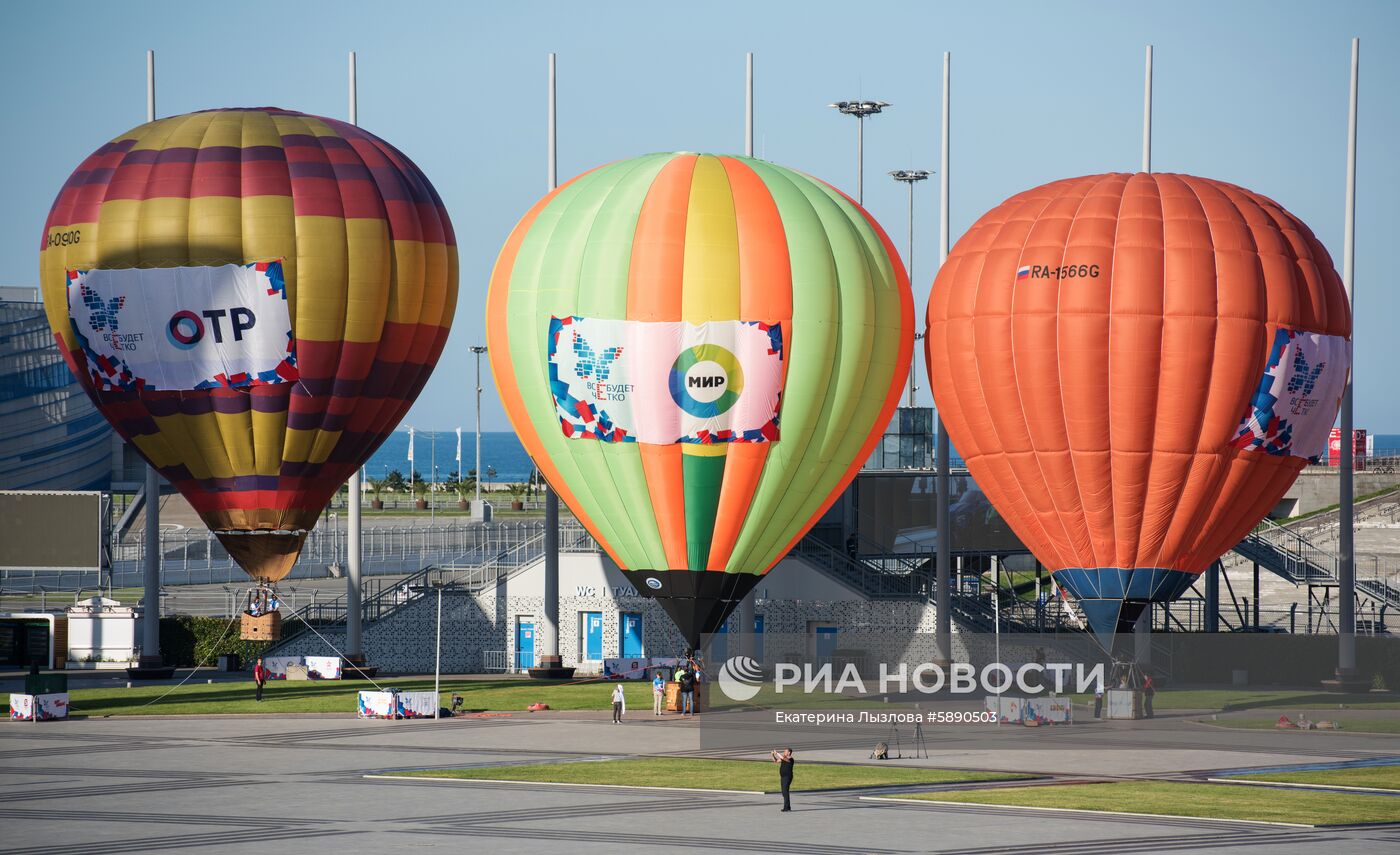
<point x="742" y="775"/>
<point x="1376" y="777"/>
<point x="1205" y="801"/>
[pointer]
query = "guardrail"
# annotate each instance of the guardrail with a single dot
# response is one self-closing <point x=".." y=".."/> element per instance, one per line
<point x="196" y="557"/>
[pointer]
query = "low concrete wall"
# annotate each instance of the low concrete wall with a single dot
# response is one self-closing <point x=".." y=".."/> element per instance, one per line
<point x="1317" y="488"/>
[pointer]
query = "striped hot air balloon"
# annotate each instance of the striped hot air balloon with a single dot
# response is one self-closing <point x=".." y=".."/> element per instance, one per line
<point x="699" y="352"/>
<point x="253" y="298"/>
<point x="1135" y="368"/>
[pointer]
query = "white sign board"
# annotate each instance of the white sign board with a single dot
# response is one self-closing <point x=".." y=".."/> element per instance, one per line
<point x="323" y="667"/>
<point x="277" y="666"/>
<point x="48" y="707"/>
<point x="184" y="328"/>
<point x="417" y="704"/>
<point x="625" y="669"/>
<point x="377" y="705"/>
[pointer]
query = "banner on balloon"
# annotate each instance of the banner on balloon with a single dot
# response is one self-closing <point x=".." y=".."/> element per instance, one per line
<point x="1296" y="402"/>
<point x="183" y="328"/>
<point x="664" y="382"/>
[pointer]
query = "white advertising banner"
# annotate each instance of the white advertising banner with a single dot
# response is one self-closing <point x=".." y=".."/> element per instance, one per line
<point x="377" y="705"/>
<point x="665" y="382"/>
<point x="47" y="707"/>
<point x="277" y="665"/>
<point x="21" y="707"/>
<point x="1007" y="708"/>
<point x="1041" y="710"/>
<point x="183" y="328"/>
<point x="417" y="704"/>
<point x="323" y="667"/>
<point x="625" y="669"/>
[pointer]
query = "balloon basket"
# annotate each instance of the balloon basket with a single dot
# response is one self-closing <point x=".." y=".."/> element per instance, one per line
<point x="267" y="627"/>
<point x="261" y="621"/>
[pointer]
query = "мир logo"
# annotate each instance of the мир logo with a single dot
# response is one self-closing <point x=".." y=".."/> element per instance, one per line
<point x="740" y="678"/>
<point x="706" y="380"/>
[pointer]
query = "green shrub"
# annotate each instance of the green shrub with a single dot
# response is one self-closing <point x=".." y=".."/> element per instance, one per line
<point x="187" y="640"/>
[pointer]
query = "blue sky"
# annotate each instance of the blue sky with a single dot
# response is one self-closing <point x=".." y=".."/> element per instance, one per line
<point x="1249" y="92"/>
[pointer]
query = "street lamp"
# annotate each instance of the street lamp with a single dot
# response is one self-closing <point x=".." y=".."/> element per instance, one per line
<point x="478" y="349"/>
<point x="860" y="109"/>
<point x="910" y="176"/>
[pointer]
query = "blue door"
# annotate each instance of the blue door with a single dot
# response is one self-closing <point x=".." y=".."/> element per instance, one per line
<point x="826" y="644"/>
<point x="631" y="635"/>
<point x="593" y="636"/>
<point x="719" y="644"/>
<point x="758" y="637"/>
<point x="524" y="643"/>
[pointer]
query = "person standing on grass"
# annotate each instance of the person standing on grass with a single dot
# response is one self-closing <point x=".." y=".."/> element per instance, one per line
<point x="619" y="702"/>
<point x="1149" y="690"/>
<point x="259" y="678"/>
<point x="687" y="679"/>
<point x="658" y="692"/>
<point x="785" y="762"/>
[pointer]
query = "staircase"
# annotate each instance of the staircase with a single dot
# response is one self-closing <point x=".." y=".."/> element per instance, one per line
<point x="1289" y="554"/>
<point x="894" y="576"/>
<point x="472" y="572"/>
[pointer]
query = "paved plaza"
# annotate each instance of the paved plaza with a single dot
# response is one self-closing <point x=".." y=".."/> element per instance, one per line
<point x="238" y="784"/>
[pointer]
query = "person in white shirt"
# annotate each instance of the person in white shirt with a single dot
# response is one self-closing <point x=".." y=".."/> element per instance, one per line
<point x="619" y="702"/>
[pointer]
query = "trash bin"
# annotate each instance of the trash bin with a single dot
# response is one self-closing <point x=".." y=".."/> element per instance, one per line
<point x="229" y="662"/>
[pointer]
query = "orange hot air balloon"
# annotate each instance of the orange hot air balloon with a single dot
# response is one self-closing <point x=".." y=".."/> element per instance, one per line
<point x="1135" y="368"/>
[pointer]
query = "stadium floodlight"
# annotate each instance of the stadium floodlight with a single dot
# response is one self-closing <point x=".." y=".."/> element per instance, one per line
<point x="860" y="109"/>
<point x="478" y="349"/>
<point x="910" y="177"/>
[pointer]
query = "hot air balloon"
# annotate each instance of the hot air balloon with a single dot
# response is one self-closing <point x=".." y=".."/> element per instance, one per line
<point x="1134" y="368"/>
<point x="699" y="352"/>
<point x="253" y="298"/>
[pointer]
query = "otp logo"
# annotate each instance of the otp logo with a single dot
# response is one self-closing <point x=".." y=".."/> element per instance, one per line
<point x="186" y="329"/>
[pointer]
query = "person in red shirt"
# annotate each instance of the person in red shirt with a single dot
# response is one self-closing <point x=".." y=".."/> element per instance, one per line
<point x="259" y="678"/>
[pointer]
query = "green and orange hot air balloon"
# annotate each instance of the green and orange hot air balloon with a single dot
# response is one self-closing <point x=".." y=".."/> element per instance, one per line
<point x="253" y="298"/>
<point x="699" y="352"/>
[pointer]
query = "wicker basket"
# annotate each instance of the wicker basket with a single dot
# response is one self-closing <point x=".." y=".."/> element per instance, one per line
<point x="267" y="627"/>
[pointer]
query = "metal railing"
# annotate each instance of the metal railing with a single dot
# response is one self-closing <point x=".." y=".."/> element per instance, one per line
<point x="196" y="557"/>
<point x="516" y="548"/>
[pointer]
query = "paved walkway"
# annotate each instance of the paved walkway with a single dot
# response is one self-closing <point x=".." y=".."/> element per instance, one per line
<point x="239" y="784"/>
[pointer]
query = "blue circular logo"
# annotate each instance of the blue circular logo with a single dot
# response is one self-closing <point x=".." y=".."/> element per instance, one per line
<point x="185" y="329"/>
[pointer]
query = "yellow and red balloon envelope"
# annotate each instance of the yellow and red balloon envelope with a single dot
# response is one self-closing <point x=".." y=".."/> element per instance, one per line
<point x="699" y="352"/>
<point x="1135" y="368"/>
<point x="253" y="298"/>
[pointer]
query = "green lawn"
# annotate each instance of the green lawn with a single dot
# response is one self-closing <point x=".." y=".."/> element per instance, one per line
<point x="715" y="774"/>
<point x="1211" y="801"/>
<point x="1380" y="777"/>
<point x="338" y="696"/>
<point x="1349" y="725"/>
<point x="510" y="694"/>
